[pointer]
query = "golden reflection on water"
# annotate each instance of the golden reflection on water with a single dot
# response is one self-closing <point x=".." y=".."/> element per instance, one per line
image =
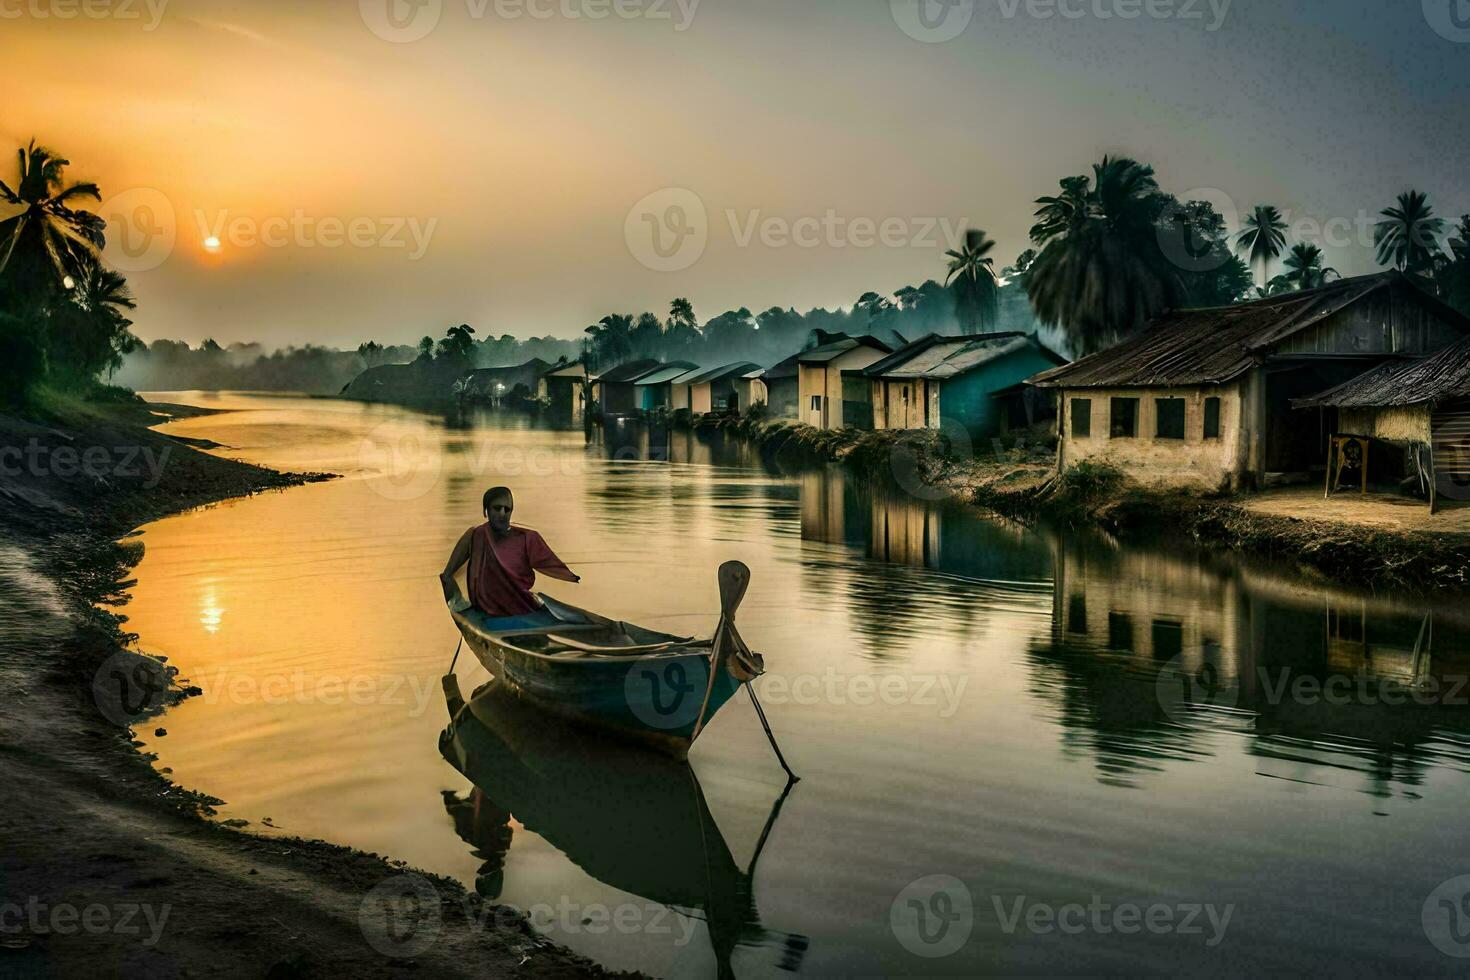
<point x="1037" y="749"/>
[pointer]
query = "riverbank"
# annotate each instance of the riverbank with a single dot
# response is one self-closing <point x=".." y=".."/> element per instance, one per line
<point x="107" y="866"/>
<point x="1375" y="544"/>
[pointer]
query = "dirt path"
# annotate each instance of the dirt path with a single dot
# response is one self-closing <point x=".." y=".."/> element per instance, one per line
<point x="109" y="870"/>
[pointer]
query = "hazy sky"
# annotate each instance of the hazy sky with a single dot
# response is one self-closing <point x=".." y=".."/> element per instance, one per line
<point x="510" y="167"/>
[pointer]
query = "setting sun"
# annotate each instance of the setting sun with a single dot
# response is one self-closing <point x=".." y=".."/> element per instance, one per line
<point x="211" y="244"/>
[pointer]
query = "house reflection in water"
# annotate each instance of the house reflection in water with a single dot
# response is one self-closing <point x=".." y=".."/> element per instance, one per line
<point x="1155" y="654"/>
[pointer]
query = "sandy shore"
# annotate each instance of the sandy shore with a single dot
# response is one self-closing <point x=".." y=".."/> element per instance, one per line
<point x="107" y="867"/>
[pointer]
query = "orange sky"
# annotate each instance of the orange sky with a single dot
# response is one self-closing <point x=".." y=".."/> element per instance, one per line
<point x="486" y="172"/>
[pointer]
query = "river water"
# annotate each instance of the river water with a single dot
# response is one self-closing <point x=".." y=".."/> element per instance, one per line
<point x="1022" y="750"/>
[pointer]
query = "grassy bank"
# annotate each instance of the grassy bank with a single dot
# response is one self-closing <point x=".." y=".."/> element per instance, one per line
<point x="90" y="824"/>
<point x="1019" y="482"/>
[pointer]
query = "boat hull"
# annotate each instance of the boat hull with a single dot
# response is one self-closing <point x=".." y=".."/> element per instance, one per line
<point x="655" y="701"/>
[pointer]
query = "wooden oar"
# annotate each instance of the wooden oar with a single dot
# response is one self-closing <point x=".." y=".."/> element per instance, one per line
<point x="734" y="580"/>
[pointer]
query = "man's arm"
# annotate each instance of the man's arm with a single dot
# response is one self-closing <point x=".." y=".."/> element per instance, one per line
<point x="544" y="560"/>
<point x="457" y="559"/>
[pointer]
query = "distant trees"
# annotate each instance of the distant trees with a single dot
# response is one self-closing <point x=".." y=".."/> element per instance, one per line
<point x="458" y="344"/>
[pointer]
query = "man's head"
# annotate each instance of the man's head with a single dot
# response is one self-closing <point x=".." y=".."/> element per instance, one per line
<point x="499" y="504"/>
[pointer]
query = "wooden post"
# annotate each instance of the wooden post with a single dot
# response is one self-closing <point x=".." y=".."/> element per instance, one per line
<point x="1327" y="477"/>
<point x="1365" y="442"/>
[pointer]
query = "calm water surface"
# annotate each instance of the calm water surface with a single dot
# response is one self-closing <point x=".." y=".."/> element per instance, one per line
<point x="1044" y="719"/>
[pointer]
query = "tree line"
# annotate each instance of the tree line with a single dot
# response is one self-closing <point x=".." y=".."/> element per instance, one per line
<point x="1108" y="252"/>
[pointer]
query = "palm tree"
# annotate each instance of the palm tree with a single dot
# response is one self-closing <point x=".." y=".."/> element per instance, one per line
<point x="458" y="342"/>
<point x="1099" y="273"/>
<point x="96" y="334"/>
<point x="1264" y="237"/>
<point x="1406" y="235"/>
<point x="976" y="293"/>
<point x="1304" y="267"/>
<point x="1452" y="275"/>
<point x="681" y="312"/>
<point x="48" y="239"/>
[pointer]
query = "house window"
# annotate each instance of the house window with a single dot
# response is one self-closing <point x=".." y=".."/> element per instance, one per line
<point x="1082" y="418"/>
<point x="1125" y="418"/>
<point x="1169" y="418"/>
<point x="1168" y="638"/>
<point x="1212" y="418"/>
<point x="816" y="403"/>
<point x="1077" y="614"/>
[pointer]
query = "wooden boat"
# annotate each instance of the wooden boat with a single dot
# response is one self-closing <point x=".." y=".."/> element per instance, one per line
<point x="641" y="684"/>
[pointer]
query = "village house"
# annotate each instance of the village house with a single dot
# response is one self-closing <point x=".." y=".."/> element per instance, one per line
<point x="499" y="386"/>
<point x="831" y="390"/>
<point x="753" y="388"/>
<point x="1414" y="418"/>
<point x="614" y="390"/>
<point x="954" y="379"/>
<point x="679" y="389"/>
<point x="718" y="389"/>
<point x="1204" y="397"/>
<point x="782" y="386"/>
<point x="653" y="389"/>
<point x="562" y="388"/>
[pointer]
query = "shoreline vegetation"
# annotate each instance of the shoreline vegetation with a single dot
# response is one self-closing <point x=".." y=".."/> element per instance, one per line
<point x="89" y="821"/>
<point x="1021" y="483"/>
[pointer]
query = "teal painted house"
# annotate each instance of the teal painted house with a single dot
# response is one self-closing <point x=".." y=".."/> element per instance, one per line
<point x="653" y="388"/>
<point x="969" y="380"/>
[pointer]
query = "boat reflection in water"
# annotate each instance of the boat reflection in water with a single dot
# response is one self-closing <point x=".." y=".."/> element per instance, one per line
<point x="632" y="819"/>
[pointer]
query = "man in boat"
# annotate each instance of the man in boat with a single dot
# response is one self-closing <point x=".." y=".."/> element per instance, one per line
<point x="503" y="561"/>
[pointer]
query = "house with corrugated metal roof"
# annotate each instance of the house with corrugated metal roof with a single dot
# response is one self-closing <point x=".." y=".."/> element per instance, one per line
<point x="653" y="390"/>
<point x="613" y="389"/>
<point x="563" y="388"/>
<point x="1417" y="410"/>
<point x="719" y="389"/>
<point x="955" y="379"/>
<point x="1204" y="397"/>
<point x="831" y="391"/>
<point x="782" y="386"/>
